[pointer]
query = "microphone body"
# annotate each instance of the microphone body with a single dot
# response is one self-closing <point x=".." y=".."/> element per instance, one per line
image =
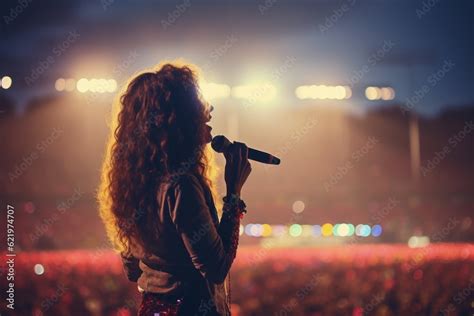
<point x="221" y="144"/>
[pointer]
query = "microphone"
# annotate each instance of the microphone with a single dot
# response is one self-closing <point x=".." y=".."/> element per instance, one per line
<point x="221" y="144"/>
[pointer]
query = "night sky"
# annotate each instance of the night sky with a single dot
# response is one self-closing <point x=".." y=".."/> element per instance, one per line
<point x="417" y="47"/>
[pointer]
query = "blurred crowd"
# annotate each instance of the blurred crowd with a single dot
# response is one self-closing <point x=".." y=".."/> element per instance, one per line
<point x="354" y="280"/>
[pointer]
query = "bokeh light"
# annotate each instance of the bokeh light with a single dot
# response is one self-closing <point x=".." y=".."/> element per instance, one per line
<point x="295" y="230"/>
<point x="298" y="207"/>
<point x="323" y="92"/>
<point x="60" y="84"/>
<point x="379" y="93"/>
<point x="6" y="82"/>
<point x="39" y="269"/>
<point x="266" y="230"/>
<point x="317" y="230"/>
<point x="326" y="229"/>
<point x="255" y="93"/>
<point x="376" y="230"/>
<point x="211" y="91"/>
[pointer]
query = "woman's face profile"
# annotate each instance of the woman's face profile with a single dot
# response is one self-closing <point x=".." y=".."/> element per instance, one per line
<point x="209" y="128"/>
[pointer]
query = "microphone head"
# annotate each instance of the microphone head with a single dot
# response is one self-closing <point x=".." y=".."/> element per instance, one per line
<point x="220" y="143"/>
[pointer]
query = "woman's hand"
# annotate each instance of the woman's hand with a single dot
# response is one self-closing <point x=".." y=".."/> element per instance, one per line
<point x="237" y="168"/>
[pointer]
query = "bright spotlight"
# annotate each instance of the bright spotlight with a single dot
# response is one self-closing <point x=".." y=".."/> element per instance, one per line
<point x="379" y="93"/>
<point x="83" y="85"/>
<point x="111" y="85"/>
<point x="212" y="90"/>
<point x="418" y="241"/>
<point x="255" y="93"/>
<point x="94" y="85"/>
<point x="39" y="269"/>
<point x="339" y="92"/>
<point x="348" y="92"/>
<point x="323" y="92"/>
<point x="6" y="82"/>
<point x="343" y="230"/>
<point x="372" y="93"/>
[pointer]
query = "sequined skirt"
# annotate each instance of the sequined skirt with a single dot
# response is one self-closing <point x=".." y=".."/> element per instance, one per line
<point x="158" y="305"/>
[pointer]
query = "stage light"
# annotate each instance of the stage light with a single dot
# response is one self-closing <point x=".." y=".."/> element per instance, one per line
<point x="379" y="93"/>
<point x="60" y="84"/>
<point x="348" y="91"/>
<point x="418" y="241"/>
<point x="302" y="92"/>
<point x="256" y="230"/>
<point x="372" y="93"/>
<point x="323" y="92"/>
<point x="295" y="230"/>
<point x="111" y="85"/>
<point x="376" y="230"/>
<point x="317" y="230"/>
<point x="339" y="92"/>
<point x="39" y="269"/>
<point x="351" y="230"/>
<point x="307" y="230"/>
<point x="266" y="230"/>
<point x="298" y="206"/>
<point x="343" y="230"/>
<point x="279" y="230"/>
<point x="366" y="230"/>
<point x="361" y="230"/>
<point x="212" y="90"/>
<point x="326" y="229"/>
<point x="70" y="85"/>
<point x="255" y="92"/>
<point x="6" y="82"/>
<point x="387" y="93"/>
<point x="248" y="229"/>
<point x="334" y="230"/>
<point x="83" y="85"/>
<point x="96" y="85"/>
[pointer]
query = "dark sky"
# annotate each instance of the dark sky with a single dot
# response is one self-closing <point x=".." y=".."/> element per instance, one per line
<point x="332" y="42"/>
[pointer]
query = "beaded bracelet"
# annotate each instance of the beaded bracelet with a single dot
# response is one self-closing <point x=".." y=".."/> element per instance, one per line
<point x="234" y="202"/>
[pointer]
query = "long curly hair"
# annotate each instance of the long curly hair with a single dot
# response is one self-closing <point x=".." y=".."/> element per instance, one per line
<point x="157" y="134"/>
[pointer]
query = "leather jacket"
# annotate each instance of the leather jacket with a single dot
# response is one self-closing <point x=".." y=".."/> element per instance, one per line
<point x="193" y="252"/>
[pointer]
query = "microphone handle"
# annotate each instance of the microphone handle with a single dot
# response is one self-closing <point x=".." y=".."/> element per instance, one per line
<point x="263" y="157"/>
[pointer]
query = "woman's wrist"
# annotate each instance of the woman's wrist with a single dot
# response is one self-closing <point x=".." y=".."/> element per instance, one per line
<point x="231" y="191"/>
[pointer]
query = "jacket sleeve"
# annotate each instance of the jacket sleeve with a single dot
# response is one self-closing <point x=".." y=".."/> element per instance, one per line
<point x="131" y="268"/>
<point x="212" y="252"/>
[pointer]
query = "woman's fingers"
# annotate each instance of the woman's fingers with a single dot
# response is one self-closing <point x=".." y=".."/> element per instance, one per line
<point x="243" y="152"/>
